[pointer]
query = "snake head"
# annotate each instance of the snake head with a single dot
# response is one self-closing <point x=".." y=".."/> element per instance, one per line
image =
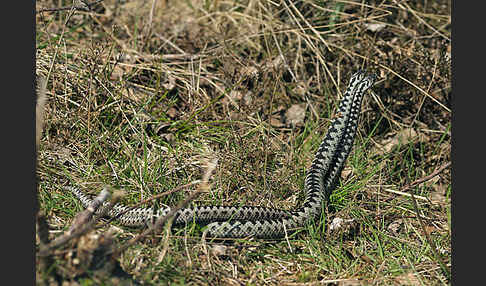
<point x="361" y="80"/>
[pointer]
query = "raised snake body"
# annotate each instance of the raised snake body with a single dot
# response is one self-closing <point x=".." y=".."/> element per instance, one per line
<point x="263" y="222"/>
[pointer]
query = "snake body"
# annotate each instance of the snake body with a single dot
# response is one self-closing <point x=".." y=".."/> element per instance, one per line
<point x="263" y="222"/>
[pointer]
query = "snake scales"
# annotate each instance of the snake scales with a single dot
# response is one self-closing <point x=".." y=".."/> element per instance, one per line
<point x="263" y="222"/>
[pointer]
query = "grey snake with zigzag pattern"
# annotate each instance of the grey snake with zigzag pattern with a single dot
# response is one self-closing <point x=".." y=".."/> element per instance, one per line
<point x="263" y="222"/>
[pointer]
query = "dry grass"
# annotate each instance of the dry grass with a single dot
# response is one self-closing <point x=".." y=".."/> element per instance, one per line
<point x="140" y="96"/>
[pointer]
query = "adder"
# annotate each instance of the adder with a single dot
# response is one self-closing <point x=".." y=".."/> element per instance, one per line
<point x="263" y="222"/>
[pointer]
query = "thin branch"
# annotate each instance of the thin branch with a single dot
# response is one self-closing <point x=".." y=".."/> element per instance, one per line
<point x="77" y="4"/>
<point x="82" y="223"/>
<point x="40" y="108"/>
<point x="422" y="225"/>
<point x="86" y="215"/>
<point x="203" y="187"/>
<point x="426" y="178"/>
<point x="151" y="199"/>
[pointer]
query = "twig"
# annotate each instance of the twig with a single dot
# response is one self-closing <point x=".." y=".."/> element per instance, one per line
<point x="86" y="215"/>
<point x="45" y="262"/>
<point x="430" y="242"/>
<point x="77" y="4"/>
<point x="422" y="225"/>
<point x="404" y="194"/>
<point x="151" y="17"/>
<point x="151" y="199"/>
<point x="42" y="225"/>
<point x="40" y="108"/>
<point x="82" y="223"/>
<point x="203" y="187"/>
<point x="426" y="178"/>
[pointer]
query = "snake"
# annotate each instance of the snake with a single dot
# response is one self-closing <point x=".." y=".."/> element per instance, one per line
<point x="266" y="222"/>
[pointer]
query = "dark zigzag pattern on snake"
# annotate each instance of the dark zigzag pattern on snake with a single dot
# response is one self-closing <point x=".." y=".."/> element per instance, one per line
<point x="264" y="222"/>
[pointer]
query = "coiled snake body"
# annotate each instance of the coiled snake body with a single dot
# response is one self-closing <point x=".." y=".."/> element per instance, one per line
<point x="262" y="222"/>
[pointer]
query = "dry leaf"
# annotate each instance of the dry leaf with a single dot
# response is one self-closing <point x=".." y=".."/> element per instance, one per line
<point x="439" y="194"/>
<point x="172" y="112"/>
<point x="218" y="250"/>
<point x="295" y="115"/>
<point x="375" y="27"/>
<point x="408" y="279"/>
<point x="249" y="71"/>
<point x="274" y="64"/>
<point x="169" y="83"/>
<point x="275" y="122"/>
<point x="235" y="95"/>
<point x="346" y="172"/>
<point x="338" y="223"/>
<point x="403" y="137"/>
<point x="248" y="99"/>
<point x="350" y="282"/>
<point x="300" y="89"/>
<point x="395" y="226"/>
